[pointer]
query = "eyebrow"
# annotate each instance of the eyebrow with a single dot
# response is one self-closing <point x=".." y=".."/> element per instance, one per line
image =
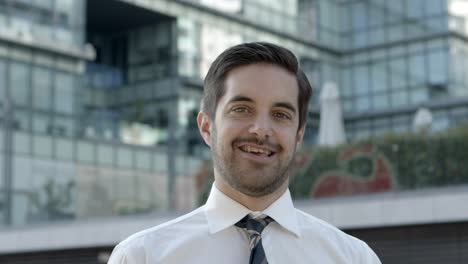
<point x="287" y="106"/>
<point x="241" y="98"/>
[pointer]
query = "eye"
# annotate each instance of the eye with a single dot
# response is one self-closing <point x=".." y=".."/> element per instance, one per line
<point x="240" y="109"/>
<point x="281" y="115"/>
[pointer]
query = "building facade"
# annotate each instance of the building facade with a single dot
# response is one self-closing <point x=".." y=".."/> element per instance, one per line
<point x="99" y="98"/>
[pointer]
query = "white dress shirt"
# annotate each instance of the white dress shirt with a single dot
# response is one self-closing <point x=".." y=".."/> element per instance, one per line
<point x="208" y="235"/>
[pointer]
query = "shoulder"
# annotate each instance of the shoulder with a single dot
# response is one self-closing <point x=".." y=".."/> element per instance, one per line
<point x="335" y="239"/>
<point x="159" y="238"/>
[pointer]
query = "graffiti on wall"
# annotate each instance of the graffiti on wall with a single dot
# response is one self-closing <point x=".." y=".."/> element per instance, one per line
<point x="343" y="182"/>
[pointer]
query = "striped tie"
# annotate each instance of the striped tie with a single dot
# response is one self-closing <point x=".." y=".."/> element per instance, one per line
<point x="254" y="228"/>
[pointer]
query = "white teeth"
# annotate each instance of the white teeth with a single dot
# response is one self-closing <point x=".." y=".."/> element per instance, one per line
<point x="256" y="150"/>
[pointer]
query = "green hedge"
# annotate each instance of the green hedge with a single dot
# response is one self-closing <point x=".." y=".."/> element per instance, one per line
<point x="417" y="161"/>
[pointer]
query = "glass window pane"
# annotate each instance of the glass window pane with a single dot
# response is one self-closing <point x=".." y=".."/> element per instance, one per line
<point x="376" y="36"/>
<point x="398" y="73"/>
<point x="399" y="98"/>
<point x="396" y="33"/>
<point x="64" y="149"/>
<point x="417" y="69"/>
<point x="22" y="172"/>
<point x="85" y="151"/>
<point x="419" y="95"/>
<point x="395" y="10"/>
<point x="42" y="146"/>
<point x="346" y="83"/>
<point x="42" y="83"/>
<point x="361" y="80"/>
<point x="124" y="157"/>
<point x="1" y="141"/>
<point x="64" y="93"/>
<point x="362" y="103"/>
<point x="19" y="83"/>
<point x="2" y="80"/>
<point x="437" y="67"/>
<point x="21" y="120"/>
<point x="143" y="160"/>
<point x="381" y="101"/>
<point x="105" y="154"/>
<point x="415" y="8"/>
<point x="359" y="15"/>
<point x="63" y="126"/>
<point x="21" y="143"/>
<point x="434" y="7"/>
<point x="379" y="76"/>
<point x="160" y="162"/>
<point x="41" y="123"/>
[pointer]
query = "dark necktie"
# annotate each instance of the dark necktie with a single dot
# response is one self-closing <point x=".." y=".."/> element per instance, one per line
<point x="254" y="228"/>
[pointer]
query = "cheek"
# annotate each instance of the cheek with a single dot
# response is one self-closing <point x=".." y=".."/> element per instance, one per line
<point x="287" y="137"/>
<point x="233" y="128"/>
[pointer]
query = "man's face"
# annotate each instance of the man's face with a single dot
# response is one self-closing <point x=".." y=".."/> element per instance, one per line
<point x="255" y="133"/>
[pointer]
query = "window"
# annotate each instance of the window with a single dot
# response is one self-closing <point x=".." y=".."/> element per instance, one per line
<point x="396" y="33"/>
<point x="21" y="120"/>
<point x="42" y="146"/>
<point x="346" y="82"/>
<point x="417" y="69"/>
<point x="376" y="36"/>
<point x="419" y="95"/>
<point x="435" y="7"/>
<point x="380" y="101"/>
<point x="160" y="162"/>
<point x="359" y="16"/>
<point x="399" y="97"/>
<point x="42" y="84"/>
<point x="85" y="152"/>
<point x="64" y="149"/>
<point x="143" y="160"/>
<point x="361" y="80"/>
<point x="398" y="73"/>
<point x="105" y="154"/>
<point x="438" y="66"/>
<point x="19" y="83"/>
<point x="41" y="123"/>
<point x="2" y="81"/>
<point x="395" y="11"/>
<point x="64" y="93"/>
<point x="415" y="8"/>
<point x="21" y="143"/>
<point x="124" y="157"/>
<point x="63" y="126"/>
<point x="379" y="76"/>
<point x="363" y="103"/>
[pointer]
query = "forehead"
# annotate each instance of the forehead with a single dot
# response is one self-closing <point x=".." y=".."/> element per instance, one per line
<point x="265" y="83"/>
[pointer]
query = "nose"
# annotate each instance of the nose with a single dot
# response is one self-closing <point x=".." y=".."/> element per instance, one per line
<point x="261" y="127"/>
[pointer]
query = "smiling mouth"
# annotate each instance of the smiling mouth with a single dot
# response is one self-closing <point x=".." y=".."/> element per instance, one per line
<point x="257" y="151"/>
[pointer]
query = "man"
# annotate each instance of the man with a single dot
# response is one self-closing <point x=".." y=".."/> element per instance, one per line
<point x="253" y="118"/>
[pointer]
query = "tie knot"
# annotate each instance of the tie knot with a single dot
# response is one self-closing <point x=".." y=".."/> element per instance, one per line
<point x="254" y="228"/>
<point x="255" y="225"/>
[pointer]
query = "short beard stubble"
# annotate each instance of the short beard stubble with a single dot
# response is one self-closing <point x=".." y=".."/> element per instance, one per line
<point x="247" y="180"/>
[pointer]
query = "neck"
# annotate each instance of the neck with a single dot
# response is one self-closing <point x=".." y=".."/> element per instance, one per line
<point x="252" y="203"/>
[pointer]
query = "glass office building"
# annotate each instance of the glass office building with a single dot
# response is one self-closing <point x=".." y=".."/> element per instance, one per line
<point x="99" y="97"/>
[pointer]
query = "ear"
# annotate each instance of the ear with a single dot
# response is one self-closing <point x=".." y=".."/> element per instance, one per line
<point x="204" y="126"/>
<point x="300" y="136"/>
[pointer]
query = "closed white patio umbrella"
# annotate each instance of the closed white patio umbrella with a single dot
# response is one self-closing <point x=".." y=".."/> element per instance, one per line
<point x="331" y="130"/>
<point x="422" y="120"/>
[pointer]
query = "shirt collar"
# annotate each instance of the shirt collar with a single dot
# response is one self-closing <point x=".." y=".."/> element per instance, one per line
<point x="222" y="211"/>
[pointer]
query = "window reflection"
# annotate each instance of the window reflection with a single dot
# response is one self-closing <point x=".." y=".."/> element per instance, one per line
<point x="19" y="83"/>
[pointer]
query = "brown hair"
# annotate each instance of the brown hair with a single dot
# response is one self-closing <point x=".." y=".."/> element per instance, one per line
<point x="251" y="53"/>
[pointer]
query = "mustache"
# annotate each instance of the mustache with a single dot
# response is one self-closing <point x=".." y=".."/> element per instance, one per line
<point x="257" y="141"/>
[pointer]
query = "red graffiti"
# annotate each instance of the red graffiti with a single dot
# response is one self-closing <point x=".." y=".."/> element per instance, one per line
<point x="334" y="183"/>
